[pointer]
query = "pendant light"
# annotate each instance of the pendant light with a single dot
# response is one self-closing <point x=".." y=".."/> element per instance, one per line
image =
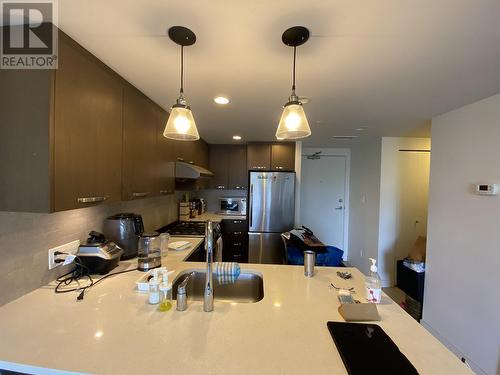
<point x="293" y="123"/>
<point x="180" y="124"/>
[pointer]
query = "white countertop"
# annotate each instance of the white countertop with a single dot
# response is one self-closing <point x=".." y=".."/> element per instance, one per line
<point x="115" y="331"/>
<point x="217" y="217"/>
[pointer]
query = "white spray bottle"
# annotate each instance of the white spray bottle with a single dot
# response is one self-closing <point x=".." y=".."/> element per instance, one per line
<point x="373" y="284"/>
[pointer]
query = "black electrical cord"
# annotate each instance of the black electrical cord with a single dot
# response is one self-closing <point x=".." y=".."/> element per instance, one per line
<point x="79" y="272"/>
<point x="84" y="289"/>
<point x="182" y="71"/>
<point x="293" y="76"/>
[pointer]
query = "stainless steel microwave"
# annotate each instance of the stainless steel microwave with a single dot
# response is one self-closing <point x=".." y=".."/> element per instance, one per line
<point x="232" y="206"/>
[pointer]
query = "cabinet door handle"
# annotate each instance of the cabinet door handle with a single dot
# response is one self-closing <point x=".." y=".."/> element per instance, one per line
<point x="220" y="187"/>
<point x="91" y="199"/>
<point x="140" y="194"/>
<point x="179" y="158"/>
<point x="191" y="162"/>
<point x="166" y="192"/>
<point x="236" y="233"/>
<point x="236" y="243"/>
<point x="279" y="167"/>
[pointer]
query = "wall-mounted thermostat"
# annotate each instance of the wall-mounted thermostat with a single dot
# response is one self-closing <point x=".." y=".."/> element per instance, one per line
<point x="486" y="189"/>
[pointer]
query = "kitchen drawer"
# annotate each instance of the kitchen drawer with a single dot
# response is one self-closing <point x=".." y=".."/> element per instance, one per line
<point x="235" y="251"/>
<point x="234" y="225"/>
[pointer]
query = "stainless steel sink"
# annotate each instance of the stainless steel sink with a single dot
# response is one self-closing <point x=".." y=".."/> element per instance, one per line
<point x="249" y="288"/>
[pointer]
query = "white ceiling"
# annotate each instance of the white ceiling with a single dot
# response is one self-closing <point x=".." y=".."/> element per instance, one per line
<point x="387" y="65"/>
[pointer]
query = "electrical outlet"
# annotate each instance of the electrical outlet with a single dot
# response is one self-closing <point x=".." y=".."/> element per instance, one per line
<point x="70" y="248"/>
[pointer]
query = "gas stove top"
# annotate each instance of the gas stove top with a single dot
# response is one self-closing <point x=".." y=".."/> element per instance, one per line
<point x="185" y="229"/>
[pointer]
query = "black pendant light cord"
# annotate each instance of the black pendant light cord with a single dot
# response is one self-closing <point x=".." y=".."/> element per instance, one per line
<point x="182" y="70"/>
<point x="293" y="76"/>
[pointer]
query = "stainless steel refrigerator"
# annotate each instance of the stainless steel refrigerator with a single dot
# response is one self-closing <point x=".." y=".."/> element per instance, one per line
<point x="271" y="211"/>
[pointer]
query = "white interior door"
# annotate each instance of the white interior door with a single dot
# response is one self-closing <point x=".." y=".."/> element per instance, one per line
<point x="323" y="197"/>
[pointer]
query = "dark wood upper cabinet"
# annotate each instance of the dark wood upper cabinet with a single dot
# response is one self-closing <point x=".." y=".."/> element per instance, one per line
<point x="200" y="153"/>
<point x="228" y="163"/>
<point x="259" y="156"/>
<point x="140" y="127"/>
<point x="165" y="156"/>
<point x="185" y="151"/>
<point x="88" y="130"/>
<point x="238" y="172"/>
<point x="65" y="149"/>
<point x="271" y="156"/>
<point x="219" y="165"/>
<point x="283" y="156"/>
<point x="81" y="135"/>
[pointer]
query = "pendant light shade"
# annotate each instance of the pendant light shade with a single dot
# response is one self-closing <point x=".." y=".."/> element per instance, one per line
<point x="180" y="124"/>
<point x="293" y="123"/>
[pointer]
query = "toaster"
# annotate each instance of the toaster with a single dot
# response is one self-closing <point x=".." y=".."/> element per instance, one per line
<point x="99" y="255"/>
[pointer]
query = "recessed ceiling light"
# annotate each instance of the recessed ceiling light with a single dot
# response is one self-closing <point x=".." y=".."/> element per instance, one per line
<point x="221" y="100"/>
<point x="237" y="137"/>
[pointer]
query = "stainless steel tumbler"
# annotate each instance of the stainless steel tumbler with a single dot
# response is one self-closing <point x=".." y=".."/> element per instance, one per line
<point x="309" y="262"/>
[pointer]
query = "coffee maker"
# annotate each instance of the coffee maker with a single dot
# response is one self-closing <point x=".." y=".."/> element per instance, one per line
<point x="124" y="229"/>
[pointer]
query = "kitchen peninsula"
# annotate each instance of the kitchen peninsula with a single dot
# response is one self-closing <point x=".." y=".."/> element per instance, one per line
<point x="115" y="331"/>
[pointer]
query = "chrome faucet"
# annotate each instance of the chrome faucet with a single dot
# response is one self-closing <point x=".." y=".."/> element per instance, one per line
<point x="181" y="293"/>
<point x="208" y="297"/>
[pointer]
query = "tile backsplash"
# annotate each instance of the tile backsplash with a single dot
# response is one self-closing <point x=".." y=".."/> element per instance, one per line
<point x="26" y="237"/>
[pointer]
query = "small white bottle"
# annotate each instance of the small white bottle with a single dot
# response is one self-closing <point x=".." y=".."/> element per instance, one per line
<point x="373" y="284"/>
<point x="154" y="291"/>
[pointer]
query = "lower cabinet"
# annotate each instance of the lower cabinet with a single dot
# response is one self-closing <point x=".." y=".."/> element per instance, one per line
<point x="234" y="240"/>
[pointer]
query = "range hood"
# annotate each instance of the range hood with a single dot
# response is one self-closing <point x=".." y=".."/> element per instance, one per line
<point x="190" y="171"/>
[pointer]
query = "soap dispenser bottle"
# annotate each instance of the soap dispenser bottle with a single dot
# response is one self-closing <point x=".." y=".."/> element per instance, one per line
<point x="373" y="284"/>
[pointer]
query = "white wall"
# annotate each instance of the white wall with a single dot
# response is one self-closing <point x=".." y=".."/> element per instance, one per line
<point x="462" y="297"/>
<point x="404" y="185"/>
<point x="364" y="198"/>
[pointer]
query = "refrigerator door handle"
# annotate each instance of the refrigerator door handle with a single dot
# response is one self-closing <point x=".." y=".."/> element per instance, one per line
<point x="251" y="206"/>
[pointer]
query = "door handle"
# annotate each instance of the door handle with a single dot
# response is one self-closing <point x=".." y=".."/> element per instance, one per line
<point x="339" y="208"/>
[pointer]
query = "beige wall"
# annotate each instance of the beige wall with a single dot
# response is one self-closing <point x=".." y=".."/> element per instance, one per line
<point x="461" y="299"/>
<point x="25" y="238"/>
<point x="404" y="186"/>
<point x="364" y="198"/>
